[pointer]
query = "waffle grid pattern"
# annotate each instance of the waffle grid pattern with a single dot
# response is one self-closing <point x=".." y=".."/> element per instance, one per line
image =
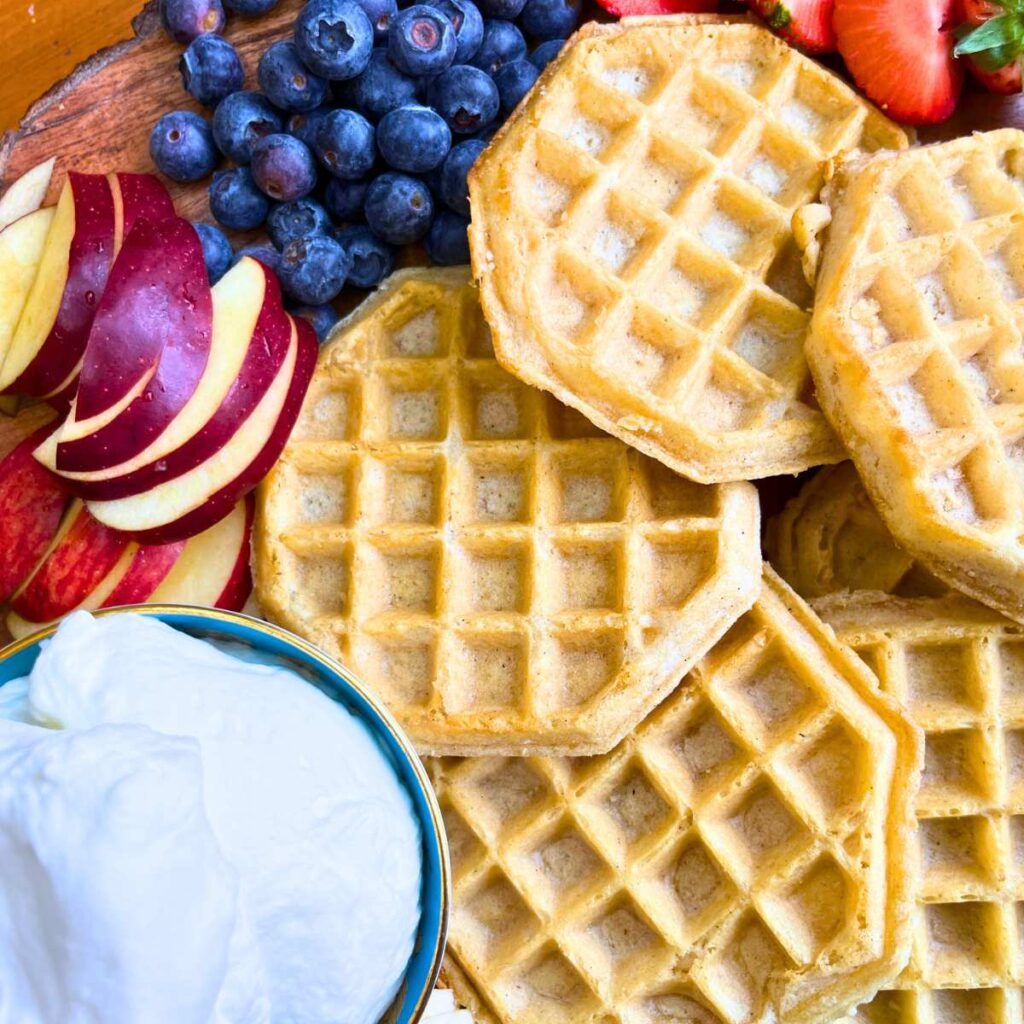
<point x="962" y="679"/>
<point x="515" y="566"/>
<point x="709" y="869"/>
<point x="657" y="176"/>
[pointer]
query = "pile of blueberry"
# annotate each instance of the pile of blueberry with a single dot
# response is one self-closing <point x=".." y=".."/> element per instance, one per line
<point x="360" y="138"/>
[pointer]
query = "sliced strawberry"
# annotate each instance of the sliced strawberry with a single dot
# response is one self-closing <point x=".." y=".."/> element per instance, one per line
<point x="631" y="8"/>
<point x="804" y="23"/>
<point x="991" y="42"/>
<point x="900" y="52"/>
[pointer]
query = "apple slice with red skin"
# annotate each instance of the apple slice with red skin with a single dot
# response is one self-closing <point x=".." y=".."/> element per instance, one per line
<point x="21" y="250"/>
<point x="135" y="196"/>
<point x="27" y="193"/>
<point x="195" y="500"/>
<point x="54" y="326"/>
<point x="148" y="569"/>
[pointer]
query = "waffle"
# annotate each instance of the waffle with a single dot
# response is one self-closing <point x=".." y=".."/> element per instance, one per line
<point x="743" y="856"/>
<point x="507" y="577"/>
<point x="916" y="349"/>
<point x="829" y="538"/>
<point x="959" y="669"/>
<point x="631" y="235"/>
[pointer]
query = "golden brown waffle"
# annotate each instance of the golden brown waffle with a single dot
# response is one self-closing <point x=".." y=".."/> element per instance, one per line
<point x="507" y="577"/>
<point x="829" y="538"/>
<point x="916" y="349"/>
<point x="631" y="234"/>
<point x="744" y="856"/>
<point x="959" y="670"/>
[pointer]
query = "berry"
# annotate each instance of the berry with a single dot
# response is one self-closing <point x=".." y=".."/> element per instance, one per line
<point x="380" y="87"/>
<point x="550" y="19"/>
<point x="421" y="41"/>
<point x="398" y="208"/>
<point x="288" y="83"/>
<point x="184" y="20"/>
<point x="304" y="124"/>
<point x="297" y="219"/>
<point x="466" y="97"/>
<point x="217" y="252"/>
<point x="210" y="69"/>
<point x="266" y="254"/>
<point x="372" y="259"/>
<point x="624" y="8"/>
<point x="991" y="43"/>
<point x="323" y="318"/>
<point x="313" y="269"/>
<point x="380" y="13"/>
<point x="447" y="241"/>
<point x="546" y="53"/>
<point x="514" y="80"/>
<point x="454" y="172"/>
<point x="240" y="121"/>
<point x="502" y="43"/>
<point x="283" y="167"/>
<point x="804" y="23"/>
<point x="181" y="145"/>
<point x="413" y="138"/>
<point x="345" y="199"/>
<point x="507" y="9"/>
<point x="235" y="200"/>
<point x="251" y="7"/>
<point x="334" y="38"/>
<point x="468" y="23"/>
<point x="900" y="54"/>
<point x="345" y="144"/>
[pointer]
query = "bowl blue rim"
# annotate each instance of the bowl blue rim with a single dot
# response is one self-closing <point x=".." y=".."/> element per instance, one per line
<point x="372" y="704"/>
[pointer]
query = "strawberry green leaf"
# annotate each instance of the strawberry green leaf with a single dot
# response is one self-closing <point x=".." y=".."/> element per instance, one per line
<point x="993" y="44"/>
<point x="779" y="17"/>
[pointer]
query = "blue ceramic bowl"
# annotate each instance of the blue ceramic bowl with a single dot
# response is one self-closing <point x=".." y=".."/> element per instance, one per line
<point x="268" y="643"/>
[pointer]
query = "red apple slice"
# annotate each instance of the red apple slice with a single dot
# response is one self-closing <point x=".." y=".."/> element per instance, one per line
<point x="26" y="194"/>
<point x="135" y="196"/>
<point x="148" y="569"/>
<point x="54" y="326"/>
<point x="21" y="250"/>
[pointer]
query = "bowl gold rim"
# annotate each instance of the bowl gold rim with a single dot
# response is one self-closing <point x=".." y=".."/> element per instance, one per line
<point x="335" y="667"/>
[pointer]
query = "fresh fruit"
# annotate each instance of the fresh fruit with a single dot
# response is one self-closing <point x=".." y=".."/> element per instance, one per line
<point x="448" y="239"/>
<point x="136" y="196"/>
<point x="991" y="42"/>
<point x="345" y="144"/>
<point x="320" y="318"/>
<point x="334" y="37"/>
<point x="211" y="69"/>
<point x="345" y="199"/>
<point x="550" y="19"/>
<point x="148" y="566"/>
<point x="184" y="20"/>
<point x="398" y="208"/>
<point x="266" y="254"/>
<point x="468" y="23"/>
<point x="380" y="13"/>
<point x="502" y="42"/>
<point x="372" y="259"/>
<point x="251" y="7"/>
<point x="465" y="97"/>
<point x="313" y="269"/>
<point x="235" y="200"/>
<point x="544" y="54"/>
<point x="380" y="87"/>
<point x="217" y="252"/>
<point x="283" y="167"/>
<point x="26" y="194"/>
<point x="421" y="41"/>
<point x="181" y="145"/>
<point x="21" y="251"/>
<point x="413" y="138"/>
<point x="286" y="81"/>
<point x="901" y="55"/>
<point x="507" y="9"/>
<point x="297" y="219"/>
<point x="303" y="124"/>
<point x="455" y="172"/>
<point x="514" y="80"/>
<point x="240" y="121"/>
<point x="806" y="24"/>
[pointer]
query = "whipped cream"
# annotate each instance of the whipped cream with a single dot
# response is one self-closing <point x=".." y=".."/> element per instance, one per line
<point x="190" y="837"/>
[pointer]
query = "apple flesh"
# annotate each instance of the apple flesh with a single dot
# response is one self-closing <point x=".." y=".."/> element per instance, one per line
<point x="21" y="250"/>
<point x="26" y="194"/>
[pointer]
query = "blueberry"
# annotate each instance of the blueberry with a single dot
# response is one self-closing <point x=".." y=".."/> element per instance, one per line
<point x="184" y="20"/>
<point x="454" y="172"/>
<point x="372" y="259"/>
<point x="507" y="9"/>
<point x="502" y="43"/>
<point x="334" y="38"/>
<point x="296" y="219"/>
<point x="266" y="254"/>
<point x="250" y="7"/>
<point x="447" y="242"/>
<point x="468" y="24"/>
<point x="283" y="167"/>
<point x="413" y="138"/>
<point x="240" y="121"/>
<point x="235" y="200"/>
<point x="380" y="87"/>
<point x="288" y="83"/>
<point x="550" y="19"/>
<point x="323" y="318"/>
<point x="313" y="269"/>
<point x="398" y="208"/>
<point x="181" y="145"/>
<point x="544" y="54"/>
<point x="345" y="145"/>
<point x="465" y="97"/>
<point x="514" y="80"/>
<point x="421" y="41"/>
<point x="217" y="251"/>
<point x="210" y="69"/>
<point x="304" y="124"/>
<point x="380" y="13"/>
<point x="345" y="199"/>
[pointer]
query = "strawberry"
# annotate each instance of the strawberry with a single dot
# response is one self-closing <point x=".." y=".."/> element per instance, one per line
<point x="804" y="23"/>
<point x="991" y="41"/>
<point x="629" y="8"/>
<point x="900" y="52"/>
